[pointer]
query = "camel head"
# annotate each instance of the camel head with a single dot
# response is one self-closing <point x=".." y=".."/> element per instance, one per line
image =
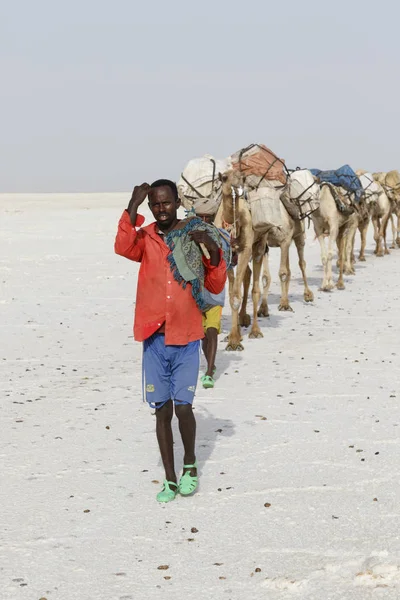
<point x="231" y="179"/>
<point x="391" y="184"/>
<point x="379" y="177"/>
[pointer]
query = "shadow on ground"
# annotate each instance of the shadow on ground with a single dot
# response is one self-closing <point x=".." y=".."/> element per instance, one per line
<point x="210" y="430"/>
<point x="264" y="322"/>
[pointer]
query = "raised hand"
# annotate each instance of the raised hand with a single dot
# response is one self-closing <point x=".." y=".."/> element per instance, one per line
<point x="139" y="195"/>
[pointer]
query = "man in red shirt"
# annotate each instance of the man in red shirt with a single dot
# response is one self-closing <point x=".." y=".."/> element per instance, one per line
<point x="168" y="322"/>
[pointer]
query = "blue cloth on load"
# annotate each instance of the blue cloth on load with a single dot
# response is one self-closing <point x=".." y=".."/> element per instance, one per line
<point x="344" y="177"/>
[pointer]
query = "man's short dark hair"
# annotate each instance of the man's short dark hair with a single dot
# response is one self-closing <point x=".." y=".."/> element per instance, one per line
<point x="168" y="183"/>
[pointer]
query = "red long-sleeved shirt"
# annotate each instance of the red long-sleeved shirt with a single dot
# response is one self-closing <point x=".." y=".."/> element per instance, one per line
<point x="160" y="299"/>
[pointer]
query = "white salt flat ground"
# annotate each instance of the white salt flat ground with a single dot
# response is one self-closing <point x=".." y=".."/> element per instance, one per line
<point x="76" y="436"/>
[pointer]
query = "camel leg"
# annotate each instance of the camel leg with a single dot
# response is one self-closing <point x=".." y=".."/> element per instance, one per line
<point x="398" y="228"/>
<point x="349" y="239"/>
<point x="324" y="261"/>
<point x="353" y="245"/>
<point x="377" y="238"/>
<point x="338" y="252"/>
<point x="359" y="227"/>
<point x="363" y="233"/>
<point x="235" y="337"/>
<point x="348" y="244"/>
<point x="244" y="318"/>
<point x="266" y="281"/>
<point x="284" y="276"/>
<point x="394" y="231"/>
<point x="231" y="280"/>
<point x="255" y="329"/>
<point x="341" y="246"/>
<point x="333" y="236"/>
<point x="383" y="231"/>
<point x="300" y="243"/>
<point x="350" y="252"/>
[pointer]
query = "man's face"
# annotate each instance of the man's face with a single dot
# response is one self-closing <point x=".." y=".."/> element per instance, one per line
<point x="163" y="205"/>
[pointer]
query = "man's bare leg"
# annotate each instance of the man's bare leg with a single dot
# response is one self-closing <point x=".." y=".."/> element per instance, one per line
<point x="187" y="428"/>
<point x="165" y="439"/>
<point x="210" y="345"/>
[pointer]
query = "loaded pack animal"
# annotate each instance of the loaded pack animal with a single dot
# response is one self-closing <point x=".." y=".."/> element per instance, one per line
<point x="251" y="244"/>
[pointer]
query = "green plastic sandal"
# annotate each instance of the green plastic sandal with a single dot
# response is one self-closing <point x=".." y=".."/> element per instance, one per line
<point x="167" y="494"/>
<point x="204" y="376"/>
<point x="208" y="382"/>
<point x="188" y="483"/>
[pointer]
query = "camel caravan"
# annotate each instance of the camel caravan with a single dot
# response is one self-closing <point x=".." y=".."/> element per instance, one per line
<point x="262" y="204"/>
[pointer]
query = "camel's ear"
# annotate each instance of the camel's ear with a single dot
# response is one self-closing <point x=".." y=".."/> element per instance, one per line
<point x="223" y="177"/>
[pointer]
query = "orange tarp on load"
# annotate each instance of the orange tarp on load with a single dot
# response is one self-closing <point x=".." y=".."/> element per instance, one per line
<point x="261" y="162"/>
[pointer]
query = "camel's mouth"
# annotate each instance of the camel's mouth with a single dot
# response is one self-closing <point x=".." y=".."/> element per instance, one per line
<point x="238" y="191"/>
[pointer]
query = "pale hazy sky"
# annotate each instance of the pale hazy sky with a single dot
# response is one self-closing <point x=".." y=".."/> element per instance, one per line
<point x="99" y="95"/>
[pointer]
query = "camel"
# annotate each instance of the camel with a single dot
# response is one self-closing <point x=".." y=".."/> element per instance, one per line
<point x="363" y="220"/>
<point x="234" y="213"/>
<point x="379" y="210"/>
<point x="395" y="229"/>
<point x="390" y="182"/>
<point x="340" y="227"/>
<point x="292" y="230"/>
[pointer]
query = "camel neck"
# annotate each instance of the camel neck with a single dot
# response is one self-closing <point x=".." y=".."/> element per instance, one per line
<point x="227" y="204"/>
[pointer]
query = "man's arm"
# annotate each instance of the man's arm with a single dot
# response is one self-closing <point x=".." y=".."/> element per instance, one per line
<point x="215" y="266"/>
<point x="129" y="242"/>
<point x="215" y="277"/>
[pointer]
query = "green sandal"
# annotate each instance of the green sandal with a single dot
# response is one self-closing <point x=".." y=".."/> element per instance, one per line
<point x="167" y="494"/>
<point x="204" y="376"/>
<point x="207" y="381"/>
<point x="188" y="483"/>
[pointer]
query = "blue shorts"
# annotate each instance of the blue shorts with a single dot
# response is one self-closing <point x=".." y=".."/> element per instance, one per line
<point x="169" y="372"/>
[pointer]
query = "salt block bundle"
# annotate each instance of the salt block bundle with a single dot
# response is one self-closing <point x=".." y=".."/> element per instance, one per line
<point x="304" y="191"/>
<point x="265" y="207"/>
<point x="372" y="188"/>
<point x="258" y="164"/>
<point x="199" y="186"/>
<point x="265" y="178"/>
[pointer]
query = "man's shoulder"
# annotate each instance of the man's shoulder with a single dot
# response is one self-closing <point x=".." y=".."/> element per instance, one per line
<point x="150" y="228"/>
